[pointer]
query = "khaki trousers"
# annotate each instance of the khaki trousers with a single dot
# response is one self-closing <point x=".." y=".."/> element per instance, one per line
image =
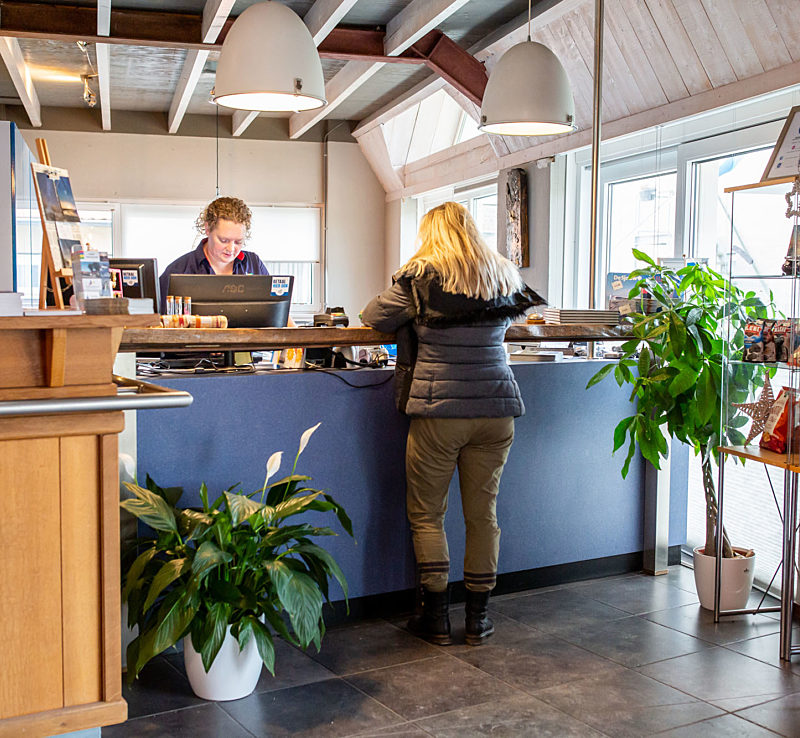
<point x="479" y="446"/>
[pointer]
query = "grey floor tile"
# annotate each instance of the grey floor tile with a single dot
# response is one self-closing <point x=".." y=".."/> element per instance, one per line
<point x="403" y="730"/>
<point x="424" y="688"/>
<point x="724" y="678"/>
<point x="782" y="715"/>
<point x="699" y="622"/>
<point x="535" y="661"/>
<point x="508" y="718"/>
<point x="557" y="610"/>
<point x="767" y="649"/>
<point x="725" y="726"/>
<point x="205" y="721"/>
<point x="370" y="645"/>
<point x="633" y="641"/>
<point x="159" y="688"/>
<point x="678" y="576"/>
<point x="318" y="710"/>
<point x="627" y="705"/>
<point x="638" y="595"/>
<point x="293" y="667"/>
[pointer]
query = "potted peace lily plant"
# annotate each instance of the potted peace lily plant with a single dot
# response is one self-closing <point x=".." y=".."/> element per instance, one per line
<point x="222" y="576"/>
<point x="677" y="391"/>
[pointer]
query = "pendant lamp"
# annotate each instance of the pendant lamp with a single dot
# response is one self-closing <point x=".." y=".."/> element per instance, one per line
<point x="528" y="93"/>
<point x="269" y="62"/>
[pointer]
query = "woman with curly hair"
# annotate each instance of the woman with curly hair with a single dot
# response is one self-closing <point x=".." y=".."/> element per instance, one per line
<point x="225" y="223"/>
<point x="450" y="306"/>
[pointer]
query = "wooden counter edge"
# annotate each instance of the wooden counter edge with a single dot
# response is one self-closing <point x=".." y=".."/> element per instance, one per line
<point x="763" y="456"/>
<point x="246" y="339"/>
<point x="43" y="322"/>
<point x="65" y="720"/>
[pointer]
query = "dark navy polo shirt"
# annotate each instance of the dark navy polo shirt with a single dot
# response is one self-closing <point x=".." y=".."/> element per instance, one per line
<point x="195" y="262"/>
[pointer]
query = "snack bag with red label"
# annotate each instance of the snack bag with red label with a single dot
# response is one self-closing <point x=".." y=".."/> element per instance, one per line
<point x="776" y="429"/>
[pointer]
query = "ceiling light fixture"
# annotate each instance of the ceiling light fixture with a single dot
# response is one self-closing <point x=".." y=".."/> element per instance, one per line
<point x="269" y="62"/>
<point x="528" y="93"/>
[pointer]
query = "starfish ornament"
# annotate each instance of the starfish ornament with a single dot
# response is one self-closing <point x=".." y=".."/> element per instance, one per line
<point x="758" y="410"/>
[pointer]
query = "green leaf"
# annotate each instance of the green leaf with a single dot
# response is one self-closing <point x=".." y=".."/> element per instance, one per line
<point x="641" y="256"/>
<point x="173" y="620"/>
<point x="241" y="507"/>
<point x="301" y="598"/>
<point x="208" y="556"/>
<point x="602" y="374"/>
<point x="150" y="508"/>
<point x="167" y="574"/>
<point x="136" y="569"/>
<point x="225" y="591"/>
<point x="294" y="505"/>
<point x="685" y="379"/>
<point x="706" y="397"/>
<point x="266" y="648"/>
<point x="283" y="488"/>
<point x="620" y="432"/>
<point x="644" y="361"/>
<point x="215" y="629"/>
<point x="327" y="560"/>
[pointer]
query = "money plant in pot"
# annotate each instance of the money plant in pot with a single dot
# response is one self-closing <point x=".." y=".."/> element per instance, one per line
<point x="683" y="388"/>
<point x="229" y="576"/>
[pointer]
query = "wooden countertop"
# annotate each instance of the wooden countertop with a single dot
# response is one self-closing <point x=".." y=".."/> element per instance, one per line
<point x="55" y="320"/>
<point x="247" y="339"/>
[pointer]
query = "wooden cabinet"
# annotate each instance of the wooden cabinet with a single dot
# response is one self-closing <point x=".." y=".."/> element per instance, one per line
<point x="59" y="525"/>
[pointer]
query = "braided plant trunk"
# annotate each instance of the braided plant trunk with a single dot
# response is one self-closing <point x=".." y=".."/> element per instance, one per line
<point x="711" y="511"/>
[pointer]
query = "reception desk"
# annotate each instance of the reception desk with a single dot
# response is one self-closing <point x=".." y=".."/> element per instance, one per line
<point x="563" y="504"/>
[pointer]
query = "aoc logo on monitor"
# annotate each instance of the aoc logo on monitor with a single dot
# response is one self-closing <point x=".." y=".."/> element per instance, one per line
<point x="230" y="289"/>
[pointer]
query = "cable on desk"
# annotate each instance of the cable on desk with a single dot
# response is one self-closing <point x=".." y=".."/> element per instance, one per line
<point x="337" y="373"/>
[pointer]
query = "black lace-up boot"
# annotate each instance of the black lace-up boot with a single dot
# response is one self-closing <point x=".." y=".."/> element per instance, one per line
<point x="431" y="619"/>
<point x="478" y="626"/>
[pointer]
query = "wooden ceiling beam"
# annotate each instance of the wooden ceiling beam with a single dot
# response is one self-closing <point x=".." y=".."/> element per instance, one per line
<point x="416" y="20"/>
<point x="324" y="15"/>
<point x="21" y="77"/>
<point x="103" y="54"/>
<point x="215" y="14"/>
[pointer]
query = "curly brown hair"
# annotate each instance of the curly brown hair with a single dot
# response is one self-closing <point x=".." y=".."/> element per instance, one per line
<point x="227" y="208"/>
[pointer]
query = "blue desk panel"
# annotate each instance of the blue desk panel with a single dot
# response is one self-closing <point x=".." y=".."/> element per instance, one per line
<point x="562" y="497"/>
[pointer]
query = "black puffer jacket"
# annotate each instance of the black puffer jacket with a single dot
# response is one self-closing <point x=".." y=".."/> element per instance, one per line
<point x="450" y="357"/>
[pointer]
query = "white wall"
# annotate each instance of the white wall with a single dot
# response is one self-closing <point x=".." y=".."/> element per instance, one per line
<point x="131" y="167"/>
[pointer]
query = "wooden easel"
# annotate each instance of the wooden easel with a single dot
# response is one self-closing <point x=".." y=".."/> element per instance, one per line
<point x="48" y="268"/>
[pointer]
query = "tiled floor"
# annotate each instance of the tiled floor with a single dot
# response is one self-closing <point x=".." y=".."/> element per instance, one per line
<point x="624" y="656"/>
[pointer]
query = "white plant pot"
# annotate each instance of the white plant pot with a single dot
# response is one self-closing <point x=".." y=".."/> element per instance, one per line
<point x="737" y="579"/>
<point x="233" y="675"/>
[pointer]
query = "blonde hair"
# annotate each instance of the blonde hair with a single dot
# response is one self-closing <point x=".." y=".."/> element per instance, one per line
<point x="224" y="208"/>
<point x="451" y="245"/>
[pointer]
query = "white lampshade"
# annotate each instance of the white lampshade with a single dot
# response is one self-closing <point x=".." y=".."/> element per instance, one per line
<point x="528" y="94"/>
<point x="269" y="62"/>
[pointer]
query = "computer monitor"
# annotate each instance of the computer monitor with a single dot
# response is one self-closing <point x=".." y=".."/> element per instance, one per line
<point x="135" y="277"/>
<point x="247" y="301"/>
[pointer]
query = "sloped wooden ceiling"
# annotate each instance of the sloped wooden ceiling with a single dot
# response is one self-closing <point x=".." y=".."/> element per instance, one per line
<point x="663" y="60"/>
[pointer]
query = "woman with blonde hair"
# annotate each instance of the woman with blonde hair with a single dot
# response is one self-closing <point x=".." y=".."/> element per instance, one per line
<point x="450" y="306"/>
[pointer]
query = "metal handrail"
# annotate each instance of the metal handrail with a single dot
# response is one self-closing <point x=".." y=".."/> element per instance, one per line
<point x="133" y="395"/>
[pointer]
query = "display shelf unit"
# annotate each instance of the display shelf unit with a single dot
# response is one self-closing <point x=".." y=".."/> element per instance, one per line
<point x="759" y="236"/>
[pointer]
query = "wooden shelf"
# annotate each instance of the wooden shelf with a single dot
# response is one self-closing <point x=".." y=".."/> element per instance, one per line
<point x="43" y="322"/>
<point x="759" y="185"/>
<point x="248" y="339"/>
<point x="764" y="456"/>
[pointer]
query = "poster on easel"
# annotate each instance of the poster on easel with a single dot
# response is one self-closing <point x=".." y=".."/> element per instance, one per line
<point x="785" y="159"/>
<point x="62" y="224"/>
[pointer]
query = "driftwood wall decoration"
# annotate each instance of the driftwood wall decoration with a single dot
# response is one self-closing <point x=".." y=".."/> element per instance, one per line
<point x="517" y="217"/>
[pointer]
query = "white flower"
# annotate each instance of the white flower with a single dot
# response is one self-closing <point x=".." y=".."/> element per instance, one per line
<point x="306" y="436"/>
<point x="273" y="464"/>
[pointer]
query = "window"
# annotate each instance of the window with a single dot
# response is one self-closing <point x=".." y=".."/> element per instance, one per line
<point x="640" y="214"/>
<point x="286" y="238"/>
<point x="480" y="201"/>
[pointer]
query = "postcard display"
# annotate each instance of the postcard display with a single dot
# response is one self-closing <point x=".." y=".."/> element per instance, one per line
<point x="765" y="356"/>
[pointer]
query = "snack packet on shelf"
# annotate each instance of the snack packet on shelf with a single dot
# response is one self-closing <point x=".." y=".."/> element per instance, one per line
<point x="783" y="413"/>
